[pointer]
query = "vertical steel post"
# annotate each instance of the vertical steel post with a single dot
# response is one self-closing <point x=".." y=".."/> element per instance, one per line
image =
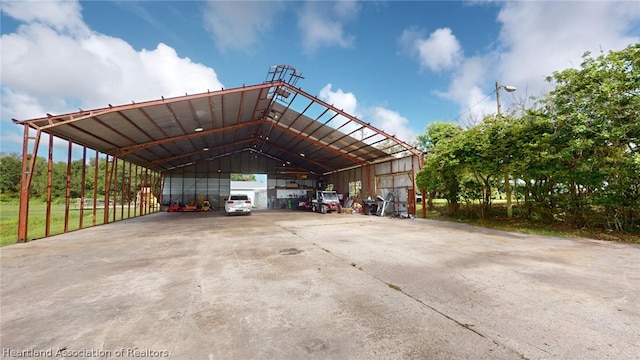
<point x="107" y="188"/>
<point x="146" y="181"/>
<point x="129" y="193"/>
<point x="114" y="178"/>
<point x="95" y="189"/>
<point x="135" y="208"/>
<point x="82" y="186"/>
<point x="122" y="197"/>
<point x="28" y="165"/>
<point x="67" y="192"/>
<point x="47" y="219"/>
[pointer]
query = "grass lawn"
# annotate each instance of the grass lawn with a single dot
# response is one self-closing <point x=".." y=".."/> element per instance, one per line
<point x="37" y="219"/>
<point x="501" y="222"/>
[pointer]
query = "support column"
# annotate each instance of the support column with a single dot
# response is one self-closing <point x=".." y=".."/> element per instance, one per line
<point x="95" y="189"/>
<point x="47" y="220"/>
<point x="28" y="164"/>
<point x="67" y="192"/>
<point x="82" y="187"/>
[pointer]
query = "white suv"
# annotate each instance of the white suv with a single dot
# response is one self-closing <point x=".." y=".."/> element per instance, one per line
<point x="237" y="204"/>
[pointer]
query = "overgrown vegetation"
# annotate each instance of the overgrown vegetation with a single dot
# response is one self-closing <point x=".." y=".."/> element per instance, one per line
<point x="571" y="162"/>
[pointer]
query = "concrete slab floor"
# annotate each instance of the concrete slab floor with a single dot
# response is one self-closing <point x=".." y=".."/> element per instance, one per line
<point x="298" y="285"/>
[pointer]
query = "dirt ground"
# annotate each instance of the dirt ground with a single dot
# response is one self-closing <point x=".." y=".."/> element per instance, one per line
<point x="298" y="285"/>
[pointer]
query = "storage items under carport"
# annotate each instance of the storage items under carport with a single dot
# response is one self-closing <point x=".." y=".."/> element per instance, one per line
<point x="381" y="206"/>
<point x="369" y="207"/>
<point x="288" y="198"/>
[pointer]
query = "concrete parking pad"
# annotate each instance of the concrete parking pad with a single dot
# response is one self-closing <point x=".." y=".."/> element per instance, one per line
<point x="298" y="285"/>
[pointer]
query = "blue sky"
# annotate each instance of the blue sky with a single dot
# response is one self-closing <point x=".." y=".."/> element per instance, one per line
<point x="398" y="65"/>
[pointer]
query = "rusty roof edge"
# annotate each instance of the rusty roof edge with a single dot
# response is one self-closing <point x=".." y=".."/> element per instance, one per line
<point x="414" y="150"/>
<point x="78" y="115"/>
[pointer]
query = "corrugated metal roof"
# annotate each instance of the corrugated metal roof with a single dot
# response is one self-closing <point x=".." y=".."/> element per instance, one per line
<point x="273" y="118"/>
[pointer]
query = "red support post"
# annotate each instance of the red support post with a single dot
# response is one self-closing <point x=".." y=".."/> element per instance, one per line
<point x="107" y="188"/>
<point x="135" y="208"/>
<point x="95" y="189"/>
<point x="129" y="194"/>
<point x="47" y="220"/>
<point x="114" y="177"/>
<point x="28" y="164"/>
<point x="122" y="197"/>
<point x="67" y="201"/>
<point x="82" y="186"/>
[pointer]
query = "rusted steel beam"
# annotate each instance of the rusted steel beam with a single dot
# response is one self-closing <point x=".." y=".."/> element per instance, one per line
<point x="63" y="119"/>
<point x="412" y="200"/>
<point x="177" y="121"/>
<point x="169" y="159"/>
<point x="304" y="159"/>
<point x="28" y="165"/>
<point x="47" y="217"/>
<point x="239" y="117"/>
<point x="95" y="189"/>
<point x="129" y="192"/>
<point x="212" y="112"/>
<point x="164" y="134"/>
<point x="107" y="189"/>
<point x="67" y="192"/>
<point x="317" y="119"/>
<point x="135" y="207"/>
<point x="129" y="149"/>
<point x="114" y="179"/>
<point x="282" y="115"/>
<point x="122" y="197"/>
<point x="409" y="147"/>
<point x="83" y="180"/>
<point x="143" y="209"/>
<point x="321" y="144"/>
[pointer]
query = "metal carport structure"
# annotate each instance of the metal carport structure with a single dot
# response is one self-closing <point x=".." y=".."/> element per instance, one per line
<point x="288" y="132"/>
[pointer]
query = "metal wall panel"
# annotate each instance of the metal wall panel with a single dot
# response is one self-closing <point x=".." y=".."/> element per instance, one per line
<point x="184" y="190"/>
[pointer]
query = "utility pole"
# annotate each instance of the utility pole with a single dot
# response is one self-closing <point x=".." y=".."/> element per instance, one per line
<point x="507" y="184"/>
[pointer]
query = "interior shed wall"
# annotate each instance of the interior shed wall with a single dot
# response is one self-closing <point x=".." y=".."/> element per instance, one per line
<point x="395" y="177"/>
<point x="211" y="180"/>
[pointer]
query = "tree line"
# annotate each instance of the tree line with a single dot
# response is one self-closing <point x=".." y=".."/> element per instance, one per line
<point x="124" y="179"/>
<point x="572" y="157"/>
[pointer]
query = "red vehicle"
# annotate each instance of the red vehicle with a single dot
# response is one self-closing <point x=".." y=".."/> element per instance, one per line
<point x="175" y="207"/>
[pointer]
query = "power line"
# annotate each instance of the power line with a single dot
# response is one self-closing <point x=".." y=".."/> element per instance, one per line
<point x="474" y="105"/>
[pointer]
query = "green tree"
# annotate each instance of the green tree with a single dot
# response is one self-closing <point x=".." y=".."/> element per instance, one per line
<point x="10" y="174"/>
<point x="440" y="173"/>
<point x="595" y="111"/>
<point x="243" y="177"/>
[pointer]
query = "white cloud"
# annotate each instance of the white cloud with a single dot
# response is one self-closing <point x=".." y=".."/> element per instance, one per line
<point x="384" y="119"/>
<point x="323" y="26"/>
<point x="392" y="123"/>
<point x="542" y="37"/>
<point x="440" y="51"/>
<point x="238" y="25"/>
<point x="61" y="16"/>
<point x="340" y="100"/>
<point x="536" y="39"/>
<point x="61" y="65"/>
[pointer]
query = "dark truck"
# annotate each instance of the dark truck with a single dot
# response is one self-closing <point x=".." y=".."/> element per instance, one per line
<point x="326" y="201"/>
